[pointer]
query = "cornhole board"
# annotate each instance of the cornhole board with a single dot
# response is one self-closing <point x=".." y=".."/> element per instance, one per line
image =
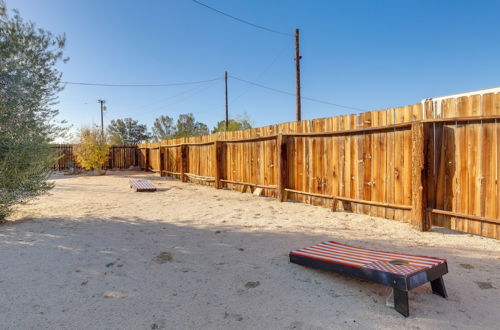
<point x="402" y="272"/>
<point x="141" y="185"/>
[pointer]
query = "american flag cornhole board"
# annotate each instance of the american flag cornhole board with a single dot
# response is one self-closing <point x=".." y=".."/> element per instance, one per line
<point x="142" y="185"/>
<point x="400" y="271"/>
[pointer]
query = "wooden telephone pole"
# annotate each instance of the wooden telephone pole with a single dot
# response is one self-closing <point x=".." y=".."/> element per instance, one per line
<point x="227" y="106"/>
<point x="102" y="116"/>
<point x="297" y="71"/>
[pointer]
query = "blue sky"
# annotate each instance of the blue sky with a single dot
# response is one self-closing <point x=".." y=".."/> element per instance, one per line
<point x="366" y="54"/>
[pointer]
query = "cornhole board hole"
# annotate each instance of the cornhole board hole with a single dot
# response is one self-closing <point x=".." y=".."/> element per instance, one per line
<point x="402" y="272"/>
<point x="141" y="185"/>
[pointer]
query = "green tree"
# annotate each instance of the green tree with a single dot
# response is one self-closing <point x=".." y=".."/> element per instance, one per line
<point x="163" y="128"/>
<point x="92" y="150"/>
<point x="29" y="83"/>
<point x="127" y="131"/>
<point x="188" y="126"/>
<point x="236" y="124"/>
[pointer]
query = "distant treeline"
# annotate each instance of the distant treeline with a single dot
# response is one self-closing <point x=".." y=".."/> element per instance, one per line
<point x="129" y="131"/>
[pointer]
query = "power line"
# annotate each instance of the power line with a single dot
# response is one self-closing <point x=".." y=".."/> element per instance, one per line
<point x="163" y="100"/>
<point x="141" y="85"/>
<point x="242" y="20"/>
<point x="266" y="69"/>
<point x="293" y="94"/>
<point x="192" y="93"/>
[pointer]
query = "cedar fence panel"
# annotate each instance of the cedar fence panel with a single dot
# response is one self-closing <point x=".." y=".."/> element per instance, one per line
<point x="120" y="157"/>
<point x="64" y="154"/>
<point x="434" y="163"/>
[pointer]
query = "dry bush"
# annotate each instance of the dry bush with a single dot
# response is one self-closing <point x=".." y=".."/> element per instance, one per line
<point x="92" y="151"/>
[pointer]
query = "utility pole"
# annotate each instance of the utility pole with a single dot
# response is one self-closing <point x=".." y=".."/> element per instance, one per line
<point x="297" y="71"/>
<point x="227" y="106"/>
<point x="102" y="116"/>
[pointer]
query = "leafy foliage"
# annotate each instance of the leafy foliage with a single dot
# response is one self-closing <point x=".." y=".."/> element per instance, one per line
<point x="185" y="126"/>
<point x="236" y="124"/>
<point x="163" y="128"/>
<point x="92" y="151"/>
<point x="188" y="126"/>
<point x="127" y="131"/>
<point x="29" y="83"/>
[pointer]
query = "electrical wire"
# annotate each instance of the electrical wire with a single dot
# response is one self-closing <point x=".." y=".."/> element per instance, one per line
<point x="242" y="20"/>
<point x="141" y="85"/>
<point x="266" y="69"/>
<point x="192" y="93"/>
<point x="162" y="100"/>
<point x="293" y="94"/>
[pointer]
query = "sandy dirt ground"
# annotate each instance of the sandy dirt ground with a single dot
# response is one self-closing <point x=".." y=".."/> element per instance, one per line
<point x="89" y="256"/>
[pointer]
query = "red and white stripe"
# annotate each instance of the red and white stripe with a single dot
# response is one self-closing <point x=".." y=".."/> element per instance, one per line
<point x="359" y="257"/>
<point x="142" y="184"/>
<point x="395" y="269"/>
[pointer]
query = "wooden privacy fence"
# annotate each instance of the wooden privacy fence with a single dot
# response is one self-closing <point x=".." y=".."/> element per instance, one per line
<point x="434" y="163"/>
<point x="120" y="157"/>
<point x="65" y="157"/>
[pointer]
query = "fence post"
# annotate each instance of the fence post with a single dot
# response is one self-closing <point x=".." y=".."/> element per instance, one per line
<point x="281" y="155"/>
<point x="184" y="159"/>
<point x="112" y="165"/>
<point x="134" y="156"/>
<point x="122" y="153"/>
<point x="217" y="163"/>
<point x="160" y="160"/>
<point x="419" y="182"/>
<point x="146" y="156"/>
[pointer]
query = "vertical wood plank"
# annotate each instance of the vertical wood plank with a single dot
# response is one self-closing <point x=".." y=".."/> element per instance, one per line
<point x="407" y="179"/>
<point x="160" y="160"/>
<point x="282" y="153"/>
<point x="389" y="212"/>
<point x="367" y="159"/>
<point x="341" y="159"/>
<point x="360" y="141"/>
<point x="474" y="165"/>
<point x="218" y="158"/>
<point x="183" y="162"/>
<point x="419" y="191"/>
<point x="489" y="196"/>
<point x="375" y="162"/>
<point x="382" y="184"/>
<point x="459" y="167"/>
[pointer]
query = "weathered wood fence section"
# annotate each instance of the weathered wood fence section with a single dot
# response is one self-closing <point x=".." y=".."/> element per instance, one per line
<point x="120" y="157"/>
<point x="65" y="157"/>
<point x="434" y="163"/>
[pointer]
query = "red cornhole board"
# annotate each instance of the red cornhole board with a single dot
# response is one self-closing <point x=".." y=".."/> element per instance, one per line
<point x="400" y="271"/>
<point x="142" y="185"/>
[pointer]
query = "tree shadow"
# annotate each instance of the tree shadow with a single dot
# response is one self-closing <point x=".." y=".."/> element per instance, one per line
<point x="232" y="275"/>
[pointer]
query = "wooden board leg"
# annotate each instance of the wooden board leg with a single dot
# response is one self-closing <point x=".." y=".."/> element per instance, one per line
<point x="401" y="302"/>
<point x="438" y="287"/>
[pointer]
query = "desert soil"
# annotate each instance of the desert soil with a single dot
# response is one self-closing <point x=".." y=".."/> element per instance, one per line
<point x="95" y="255"/>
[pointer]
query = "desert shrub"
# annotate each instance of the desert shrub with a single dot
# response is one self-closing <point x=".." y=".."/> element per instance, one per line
<point x="92" y="151"/>
<point x="24" y="170"/>
<point x="29" y="83"/>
